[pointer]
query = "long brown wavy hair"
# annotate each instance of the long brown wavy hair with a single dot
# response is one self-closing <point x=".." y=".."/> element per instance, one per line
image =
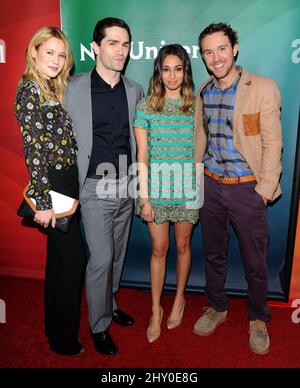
<point x="59" y="83"/>
<point x="156" y="87"/>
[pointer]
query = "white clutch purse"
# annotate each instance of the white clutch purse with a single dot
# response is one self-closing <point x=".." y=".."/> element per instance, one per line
<point x="62" y="204"/>
<point x="64" y="208"/>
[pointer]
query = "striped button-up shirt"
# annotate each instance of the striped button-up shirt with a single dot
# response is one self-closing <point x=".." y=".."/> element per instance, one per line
<point x="221" y="157"/>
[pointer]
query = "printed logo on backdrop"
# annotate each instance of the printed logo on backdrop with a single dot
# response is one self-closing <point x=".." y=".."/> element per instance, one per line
<point x="2" y="311"/>
<point x="296" y="314"/>
<point x="296" y="53"/>
<point x="2" y="51"/>
<point x="139" y="50"/>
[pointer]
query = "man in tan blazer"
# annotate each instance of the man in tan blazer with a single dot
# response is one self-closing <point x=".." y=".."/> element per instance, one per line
<point x="238" y="137"/>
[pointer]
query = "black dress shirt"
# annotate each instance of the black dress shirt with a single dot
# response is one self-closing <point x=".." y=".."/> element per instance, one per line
<point x="110" y="124"/>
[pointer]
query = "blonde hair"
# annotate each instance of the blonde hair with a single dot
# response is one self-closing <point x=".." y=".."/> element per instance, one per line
<point x="58" y="83"/>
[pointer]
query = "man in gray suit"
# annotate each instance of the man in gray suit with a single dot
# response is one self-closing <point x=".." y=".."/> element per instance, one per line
<point x="102" y="105"/>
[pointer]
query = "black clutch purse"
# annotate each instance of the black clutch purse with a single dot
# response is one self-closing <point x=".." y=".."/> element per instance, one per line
<point x="63" y="206"/>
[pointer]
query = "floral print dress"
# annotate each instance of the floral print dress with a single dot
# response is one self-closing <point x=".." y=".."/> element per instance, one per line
<point x="48" y="139"/>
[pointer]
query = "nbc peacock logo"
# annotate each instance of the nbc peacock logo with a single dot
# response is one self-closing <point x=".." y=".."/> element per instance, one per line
<point x="2" y="51"/>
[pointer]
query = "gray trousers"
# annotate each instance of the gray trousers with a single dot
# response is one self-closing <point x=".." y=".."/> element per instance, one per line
<point x="106" y="224"/>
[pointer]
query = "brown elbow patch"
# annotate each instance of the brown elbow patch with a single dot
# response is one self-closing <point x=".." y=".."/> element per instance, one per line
<point x="251" y="124"/>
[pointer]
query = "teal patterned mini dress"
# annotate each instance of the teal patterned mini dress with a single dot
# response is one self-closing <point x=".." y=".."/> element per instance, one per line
<point x="171" y="165"/>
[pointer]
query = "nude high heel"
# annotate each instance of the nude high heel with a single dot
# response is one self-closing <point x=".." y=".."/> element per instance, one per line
<point x="172" y="323"/>
<point x="152" y="334"/>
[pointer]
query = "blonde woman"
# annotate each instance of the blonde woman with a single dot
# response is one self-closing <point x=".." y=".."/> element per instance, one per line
<point x="50" y="155"/>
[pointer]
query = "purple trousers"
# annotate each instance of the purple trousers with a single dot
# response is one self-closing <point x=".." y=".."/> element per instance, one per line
<point x="242" y="207"/>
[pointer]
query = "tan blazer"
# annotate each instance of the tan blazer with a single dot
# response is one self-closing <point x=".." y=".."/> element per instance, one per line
<point x="256" y="130"/>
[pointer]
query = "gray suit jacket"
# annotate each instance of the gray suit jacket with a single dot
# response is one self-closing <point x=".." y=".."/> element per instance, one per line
<point x="78" y="101"/>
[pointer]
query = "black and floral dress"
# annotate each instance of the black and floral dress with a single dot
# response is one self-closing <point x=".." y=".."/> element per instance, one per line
<point x="48" y="139"/>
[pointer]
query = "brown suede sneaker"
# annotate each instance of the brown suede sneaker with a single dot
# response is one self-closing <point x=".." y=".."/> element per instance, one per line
<point x="259" y="341"/>
<point x="209" y="321"/>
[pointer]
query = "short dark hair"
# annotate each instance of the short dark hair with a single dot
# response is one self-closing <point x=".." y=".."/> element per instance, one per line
<point x="219" y="27"/>
<point x="99" y="30"/>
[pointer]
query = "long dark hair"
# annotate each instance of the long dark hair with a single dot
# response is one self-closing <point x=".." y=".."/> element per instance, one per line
<point x="156" y="87"/>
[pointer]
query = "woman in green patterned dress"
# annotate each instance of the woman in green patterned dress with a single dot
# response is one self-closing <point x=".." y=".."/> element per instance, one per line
<point x="164" y="132"/>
